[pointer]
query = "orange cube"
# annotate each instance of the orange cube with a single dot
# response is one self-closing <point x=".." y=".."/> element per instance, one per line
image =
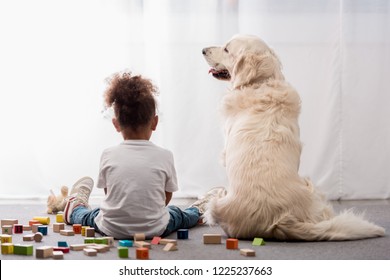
<point x="231" y="243"/>
<point x="77" y="228"/>
<point x="142" y="253"/>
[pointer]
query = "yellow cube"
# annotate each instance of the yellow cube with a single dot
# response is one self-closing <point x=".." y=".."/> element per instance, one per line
<point x="7" y="248"/>
<point x="6" y="238"/>
<point x="59" y="218"/>
<point x="83" y="230"/>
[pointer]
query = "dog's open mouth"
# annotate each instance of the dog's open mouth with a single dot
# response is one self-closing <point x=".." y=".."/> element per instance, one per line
<point x="222" y="74"/>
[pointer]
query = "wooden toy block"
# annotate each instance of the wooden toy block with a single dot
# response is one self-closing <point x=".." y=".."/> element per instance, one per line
<point x="58" y="255"/>
<point x="42" y="229"/>
<point x="155" y="240"/>
<point x="139" y="237"/>
<point x="18" y="229"/>
<point x="27" y="228"/>
<point x="57" y="227"/>
<point x="248" y="252"/>
<point x="125" y="243"/>
<point x="166" y="241"/>
<point x="38" y="236"/>
<point x="77" y="228"/>
<point x="258" y="241"/>
<point x="182" y="234"/>
<point x="83" y="228"/>
<point x="90" y="252"/>
<point x="35" y="227"/>
<point x="101" y="248"/>
<point x="232" y="243"/>
<point x="62" y="244"/>
<point x="9" y="222"/>
<point x="78" y="247"/>
<point x="142" y="253"/>
<point x="99" y="240"/>
<point x="123" y="252"/>
<point x="62" y="249"/>
<point x="60" y="217"/>
<point x="32" y="222"/>
<point x="28" y="237"/>
<point x="90" y="232"/>
<point x="211" y="238"/>
<point x="44" y="252"/>
<point x="26" y="250"/>
<point x="7" y="248"/>
<point x="89" y="240"/>
<point x="170" y="247"/>
<point x="42" y="220"/>
<point x="103" y="241"/>
<point x="109" y="240"/>
<point x="6" y="238"/>
<point x="7" y="229"/>
<point x="67" y="232"/>
<point x="142" y="244"/>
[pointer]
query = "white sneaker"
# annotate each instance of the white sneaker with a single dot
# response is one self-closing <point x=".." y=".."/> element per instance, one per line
<point x="82" y="181"/>
<point x="81" y="192"/>
<point x="201" y="204"/>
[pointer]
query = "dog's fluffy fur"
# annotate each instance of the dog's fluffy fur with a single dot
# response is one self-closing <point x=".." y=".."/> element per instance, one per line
<point x="266" y="196"/>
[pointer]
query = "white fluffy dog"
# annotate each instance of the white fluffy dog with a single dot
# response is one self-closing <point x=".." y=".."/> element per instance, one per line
<point x="266" y="196"/>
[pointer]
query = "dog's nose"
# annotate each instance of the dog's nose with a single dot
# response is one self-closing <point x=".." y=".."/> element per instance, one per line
<point x="204" y="51"/>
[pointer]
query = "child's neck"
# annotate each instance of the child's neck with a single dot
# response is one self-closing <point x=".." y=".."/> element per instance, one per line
<point x="140" y="134"/>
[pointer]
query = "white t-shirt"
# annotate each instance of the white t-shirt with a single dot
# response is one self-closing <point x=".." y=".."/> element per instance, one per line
<point x="136" y="174"/>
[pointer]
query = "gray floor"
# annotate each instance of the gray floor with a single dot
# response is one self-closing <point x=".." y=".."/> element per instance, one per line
<point x="377" y="211"/>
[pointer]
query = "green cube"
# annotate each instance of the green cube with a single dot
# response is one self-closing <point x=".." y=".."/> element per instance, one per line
<point x="26" y="250"/>
<point x="258" y="242"/>
<point x="123" y="252"/>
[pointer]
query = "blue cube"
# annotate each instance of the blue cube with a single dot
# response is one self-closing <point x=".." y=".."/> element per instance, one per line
<point x="182" y="234"/>
<point x="42" y="229"/>
<point x="125" y="243"/>
<point x="62" y="244"/>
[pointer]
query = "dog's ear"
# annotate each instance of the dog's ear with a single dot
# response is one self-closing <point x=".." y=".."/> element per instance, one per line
<point x="252" y="68"/>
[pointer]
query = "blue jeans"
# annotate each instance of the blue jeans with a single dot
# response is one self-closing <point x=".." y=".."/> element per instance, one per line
<point x="179" y="219"/>
<point x="187" y="218"/>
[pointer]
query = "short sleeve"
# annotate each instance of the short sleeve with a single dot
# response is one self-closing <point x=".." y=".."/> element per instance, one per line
<point x="101" y="183"/>
<point x="171" y="183"/>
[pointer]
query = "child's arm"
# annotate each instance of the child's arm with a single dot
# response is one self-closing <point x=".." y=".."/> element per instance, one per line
<point x="168" y="196"/>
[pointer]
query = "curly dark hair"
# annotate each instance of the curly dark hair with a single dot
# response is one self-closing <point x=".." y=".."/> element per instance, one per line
<point x="132" y="98"/>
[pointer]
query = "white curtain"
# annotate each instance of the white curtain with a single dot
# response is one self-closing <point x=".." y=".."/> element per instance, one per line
<point x="55" y="56"/>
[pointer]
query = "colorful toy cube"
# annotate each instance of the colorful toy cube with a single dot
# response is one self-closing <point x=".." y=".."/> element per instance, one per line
<point x="142" y="253"/>
<point x="232" y="243"/>
<point x="18" y="228"/>
<point x="123" y="252"/>
<point x="182" y="234"/>
<point x="42" y="229"/>
<point x="125" y="243"/>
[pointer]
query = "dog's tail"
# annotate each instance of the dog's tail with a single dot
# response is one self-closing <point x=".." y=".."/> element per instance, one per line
<point x="346" y="226"/>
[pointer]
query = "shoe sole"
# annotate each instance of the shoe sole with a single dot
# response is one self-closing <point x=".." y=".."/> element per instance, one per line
<point x="66" y="210"/>
<point x="76" y="185"/>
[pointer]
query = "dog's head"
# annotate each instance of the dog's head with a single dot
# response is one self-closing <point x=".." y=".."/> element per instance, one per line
<point x="244" y="60"/>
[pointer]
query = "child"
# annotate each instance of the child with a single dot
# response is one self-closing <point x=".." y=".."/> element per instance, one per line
<point x="137" y="176"/>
